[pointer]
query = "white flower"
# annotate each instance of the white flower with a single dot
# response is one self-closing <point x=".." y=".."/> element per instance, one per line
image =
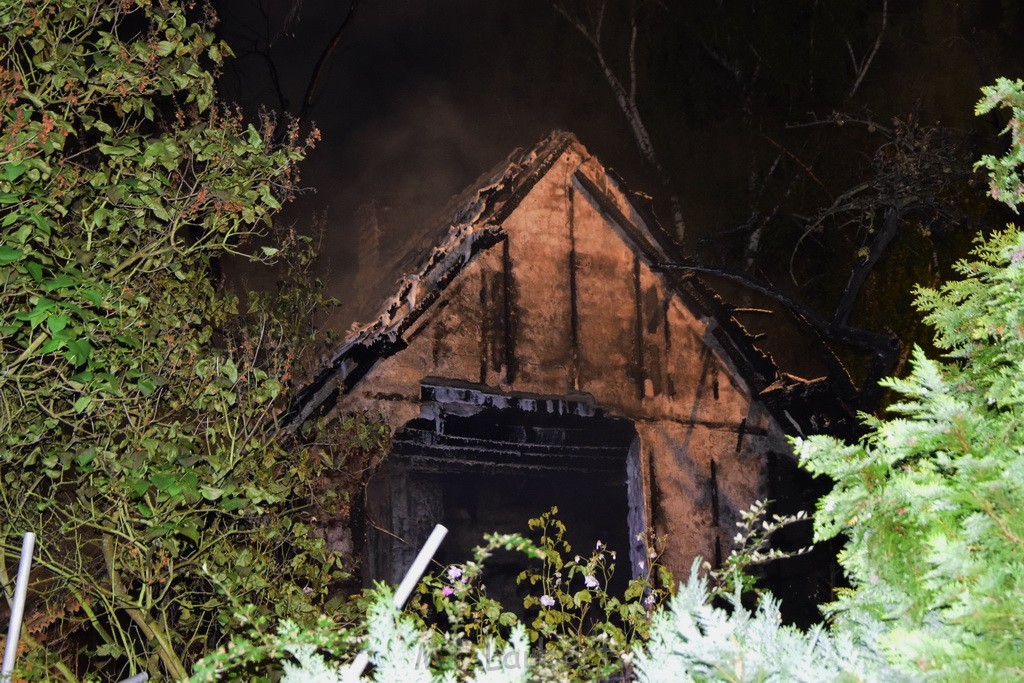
<point x="590" y="581"/>
<point x="640" y="565"/>
<point x="547" y="601"/>
<point x="454" y="573"/>
<point x="599" y="545"/>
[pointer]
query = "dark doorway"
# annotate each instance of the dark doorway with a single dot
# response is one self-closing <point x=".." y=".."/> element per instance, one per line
<point x="479" y="461"/>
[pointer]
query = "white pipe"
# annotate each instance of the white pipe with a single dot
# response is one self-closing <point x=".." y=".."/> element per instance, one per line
<point x="419" y="565"/>
<point x="18" y="605"/>
<point x="137" y="678"/>
<point x="402" y="593"/>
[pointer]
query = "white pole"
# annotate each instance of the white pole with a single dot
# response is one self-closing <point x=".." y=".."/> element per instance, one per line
<point x="18" y="606"/>
<point x="404" y="590"/>
<point x="419" y="565"/>
<point x="137" y="678"/>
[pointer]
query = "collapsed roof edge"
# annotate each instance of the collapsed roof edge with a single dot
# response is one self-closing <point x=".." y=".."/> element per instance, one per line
<point x="477" y="226"/>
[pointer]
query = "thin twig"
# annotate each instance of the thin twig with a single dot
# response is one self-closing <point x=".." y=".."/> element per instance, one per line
<point x="866" y="64"/>
<point x="807" y="169"/>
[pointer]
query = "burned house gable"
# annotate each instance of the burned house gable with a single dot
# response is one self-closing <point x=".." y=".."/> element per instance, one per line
<point x="538" y="356"/>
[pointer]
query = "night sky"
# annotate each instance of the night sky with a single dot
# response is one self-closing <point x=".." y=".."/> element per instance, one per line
<point x="421" y="98"/>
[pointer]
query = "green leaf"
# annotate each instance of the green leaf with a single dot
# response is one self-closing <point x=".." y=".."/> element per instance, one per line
<point x="92" y="296"/>
<point x="39" y="313"/>
<point x="189" y="531"/>
<point x="22" y="234"/>
<point x="165" y="47"/>
<point x="139" y="486"/>
<point x="60" y="282"/>
<point x="109" y="650"/>
<point x="13" y="171"/>
<point x="83" y="403"/>
<point x="163" y="481"/>
<point x="118" y="150"/>
<point x="211" y="493"/>
<point x="41" y="222"/>
<point x="9" y="254"/>
<point x="229" y="370"/>
<point x="79" y="352"/>
<point x="154" y="205"/>
<point x="55" y="323"/>
<point x="34" y="270"/>
<point x="102" y="126"/>
<point x="86" y="456"/>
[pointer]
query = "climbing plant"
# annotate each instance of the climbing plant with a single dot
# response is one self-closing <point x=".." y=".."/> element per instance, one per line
<point x="139" y="400"/>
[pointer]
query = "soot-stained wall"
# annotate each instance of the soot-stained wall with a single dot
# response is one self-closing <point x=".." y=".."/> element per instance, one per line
<point x="567" y="303"/>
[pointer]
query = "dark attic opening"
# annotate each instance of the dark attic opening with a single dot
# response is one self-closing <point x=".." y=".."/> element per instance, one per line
<point x="480" y="461"/>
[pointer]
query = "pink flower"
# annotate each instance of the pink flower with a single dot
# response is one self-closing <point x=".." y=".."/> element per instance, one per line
<point x="454" y="573"/>
<point x="547" y="601"/>
<point x="447" y="590"/>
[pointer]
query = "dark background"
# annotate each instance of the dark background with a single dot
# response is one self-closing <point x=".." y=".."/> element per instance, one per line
<point x="419" y="99"/>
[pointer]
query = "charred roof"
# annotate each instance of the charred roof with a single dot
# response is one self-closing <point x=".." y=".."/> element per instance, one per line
<point x="476" y="225"/>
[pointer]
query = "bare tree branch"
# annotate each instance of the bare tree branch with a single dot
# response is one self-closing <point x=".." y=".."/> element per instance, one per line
<point x="632" y="53"/>
<point x="837" y="206"/>
<point x="626" y="97"/>
<point x="884" y="348"/>
<point x="309" y="98"/>
<point x="807" y="169"/>
<point x="862" y="69"/>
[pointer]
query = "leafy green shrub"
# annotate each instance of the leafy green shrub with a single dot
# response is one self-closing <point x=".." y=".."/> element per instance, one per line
<point x="577" y="627"/>
<point x="400" y="649"/>
<point x="138" y="400"/>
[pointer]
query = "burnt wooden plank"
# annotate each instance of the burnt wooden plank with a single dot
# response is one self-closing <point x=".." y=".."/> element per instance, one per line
<point x="508" y="312"/>
<point x="639" y="371"/>
<point x="574" y="314"/>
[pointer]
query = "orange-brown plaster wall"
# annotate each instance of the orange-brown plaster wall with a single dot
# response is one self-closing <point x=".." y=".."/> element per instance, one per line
<point x="686" y="401"/>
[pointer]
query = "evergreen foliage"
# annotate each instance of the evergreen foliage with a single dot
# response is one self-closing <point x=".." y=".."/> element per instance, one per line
<point x="400" y="648"/>
<point x="693" y="640"/>
<point x="1004" y="171"/>
<point x="932" y="500"/>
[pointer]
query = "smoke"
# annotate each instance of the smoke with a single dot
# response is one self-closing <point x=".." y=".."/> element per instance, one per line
<point x="419" y="100"/>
